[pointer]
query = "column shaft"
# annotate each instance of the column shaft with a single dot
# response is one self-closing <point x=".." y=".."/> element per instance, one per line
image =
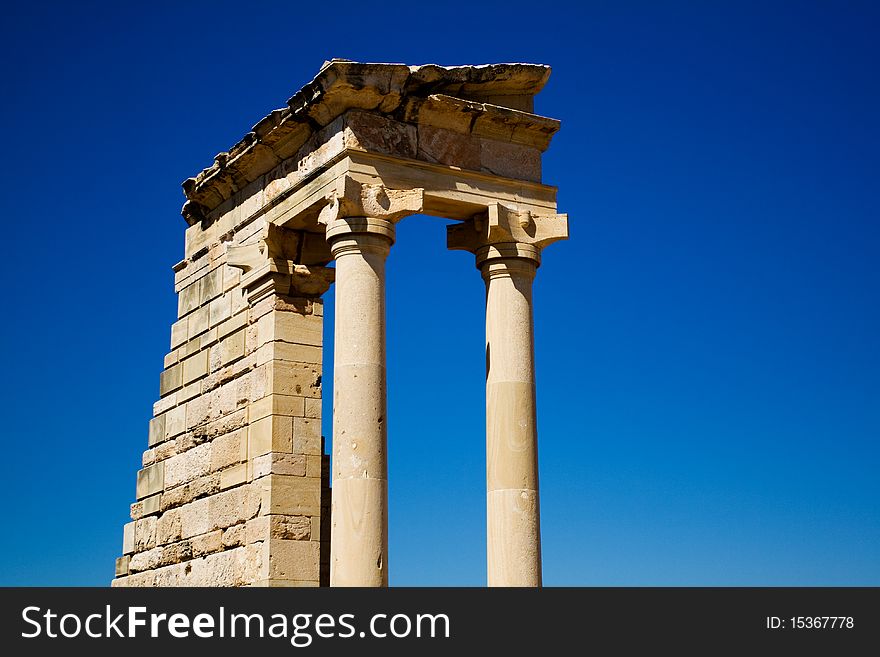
<point x="513" y="514"/>
<point x="359" y="531"/>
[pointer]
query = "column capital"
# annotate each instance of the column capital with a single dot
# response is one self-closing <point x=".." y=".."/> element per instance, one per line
<point x="368" y="208"/>
<point x="502" y="232"/>
<point x="270" y="266"/>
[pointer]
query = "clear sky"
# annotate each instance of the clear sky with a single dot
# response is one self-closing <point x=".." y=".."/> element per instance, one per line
<point x="707" y="341"/>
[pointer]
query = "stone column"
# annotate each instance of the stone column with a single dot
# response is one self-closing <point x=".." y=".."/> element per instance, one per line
<point x="360" y="231"/>
<point x="507" y="245"/>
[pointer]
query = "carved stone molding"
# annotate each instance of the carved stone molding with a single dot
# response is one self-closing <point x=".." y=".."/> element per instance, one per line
<point x="503" y="232"/>
<point x="271" y="266"/>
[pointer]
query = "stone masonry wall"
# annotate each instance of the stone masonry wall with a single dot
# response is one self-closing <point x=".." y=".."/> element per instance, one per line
<point x="234" y="488"/>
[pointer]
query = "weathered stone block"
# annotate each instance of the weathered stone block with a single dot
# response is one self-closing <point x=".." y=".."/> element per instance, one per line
<point x="510" y="160"/>
<point x="294" y="560"/>
<point x="170" y="380"/>
<point x="234" y="536"/>
<point x="188" y="300"/>
<point x="157" y="430"/>
<point x="270" y="434"/>
<point x="175" y="422"/>
<point x="122" y="566"/>
<point x="150" y="480"/>
<point x="234" y="476"/>
<point x="128" y="538"/>
<point x="447" y="147"/>
<point x="198" y="322"/>
<point x="293" y="528"/>
<point x="145" y="534"/>
<point x="232" y="347"/>
<point x="207" y="543"/>
<point x="168" y="527"/>
<point x="179" y="333"/>
<point x="229" y="449"/>
<point x="300" y="379"/>
<point x="306" y="436"/>
<point x="188" y="466"/>
<point x="279" y="463"/>
<point x="220" y="309"/>
<point x="211" y="285"/>
<point x="195" y="367"/>
<point x="289" y="495"/>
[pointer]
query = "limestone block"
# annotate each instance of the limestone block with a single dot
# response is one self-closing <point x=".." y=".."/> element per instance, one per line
<point x="198" y="322"/>
<point x="167" y="402"/>
<point x="145" y="534"/>
<point x="313" y="408"/>
<point x="257" y="529"/>
<point x="378" y="134"/>
<point x="299" y="329"/>
<point x="188" y="466"/>
<point x="168" y="527"/>
<point x="234" y="323"/>
<point x="170" y="359"/>
<point x="229" y="449"/>
<point x="270" y="434"/>
<point x="195" y="518"/>
<point x="145" y="560"/>
<point x="148" y="457"/>
<point x="314" y="464"/>
<point x="151" y="505"/>
<point x="234" y="536"/>
<point x="279" y="463"/>
<point x="225" y="424"/>
<point x="306" y="436"/>
<point x="232" y="347"/>
<point x="122" y="566"/>
<point x="188" y="300"/>
<point x="446" y="147"/>
<point x="179" y="333"/>
<point x="231" y="277"/>
<point x="294" y="560"/>
<point x="220" y="309"/>
<point x="157" y="430"/>
<point x="188" y="392"/>
<point x="197" y="411"/>
<point x="292" y="528"/>
<point x="234" y="476"/>
<point x="211" y="285"/>
<point x="150" y="480"/>
<point x="234" y="506"/>
<point x="239" y="300"/>
<point x="170" y="380"/>
<point x="175" y="422"/>
<point x="201" y="487"/>
<point x="300" y="379"/>
<point x="510" y="160"/>
<point x="288" y="495"/>
<point x="207" y="543"/>
<point x="195" y="367"/>
<point x="168" y="449"/>
<point x="296" y="353"/>
<point x="174" y="553"/>
<point x="128" y="538"/>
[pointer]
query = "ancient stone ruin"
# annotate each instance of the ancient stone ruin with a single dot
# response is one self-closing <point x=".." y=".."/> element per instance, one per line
<point x="235" y="485"/>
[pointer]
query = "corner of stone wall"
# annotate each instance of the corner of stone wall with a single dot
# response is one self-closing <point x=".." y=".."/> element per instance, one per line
<point x="234" y="488"/>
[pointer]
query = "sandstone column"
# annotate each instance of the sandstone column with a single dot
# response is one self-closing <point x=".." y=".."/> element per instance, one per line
<point x="360" y="231"/>
<point x="507" y="245"/>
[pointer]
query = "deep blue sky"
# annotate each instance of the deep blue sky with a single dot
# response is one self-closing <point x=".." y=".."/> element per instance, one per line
<point x="707" y="341"/>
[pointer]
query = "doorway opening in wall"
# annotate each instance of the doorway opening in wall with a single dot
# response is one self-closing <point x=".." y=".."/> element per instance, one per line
<point x="435" y="324"/>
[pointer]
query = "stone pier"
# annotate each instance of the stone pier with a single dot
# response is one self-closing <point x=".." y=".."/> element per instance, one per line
<point x="235" y="487"/>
